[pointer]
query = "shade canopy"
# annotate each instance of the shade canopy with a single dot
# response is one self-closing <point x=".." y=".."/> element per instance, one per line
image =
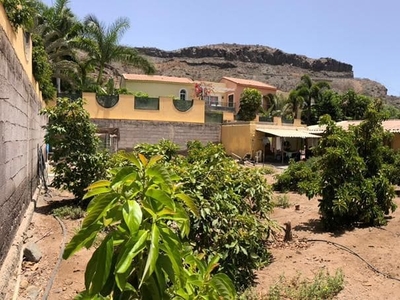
<point x="289" y="133"/>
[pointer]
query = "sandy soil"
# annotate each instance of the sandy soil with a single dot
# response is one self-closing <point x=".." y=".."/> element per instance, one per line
<point x="378" y="246"/>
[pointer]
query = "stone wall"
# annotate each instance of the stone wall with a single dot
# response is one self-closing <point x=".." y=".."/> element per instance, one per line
<point x="134" y="132"/>
<point x="20" y="136"/>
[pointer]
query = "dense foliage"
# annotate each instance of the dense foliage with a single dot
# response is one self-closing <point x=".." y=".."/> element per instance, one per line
<point x="355" y="186"/>
<point x="144" y="255"/>
<point x="356" y="169"/>
<point x="20" y="13"/>
<point x="250" y="102"/>
<point x="233" y="202"/>
<point x="299" y="177"/>
<point x="74" y="143"/>
<point x="41" y="68"/>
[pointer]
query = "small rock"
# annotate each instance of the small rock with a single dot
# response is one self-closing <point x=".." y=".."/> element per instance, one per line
<point x="24" y="284"/>
<point x="32" y="252"/>
<point x="32" y="292"/>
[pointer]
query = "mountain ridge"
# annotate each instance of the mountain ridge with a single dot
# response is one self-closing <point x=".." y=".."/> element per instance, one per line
<point x="257" y="62"/>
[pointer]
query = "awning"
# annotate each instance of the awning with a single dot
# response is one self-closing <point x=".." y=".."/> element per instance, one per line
<point x="290" y="133"/>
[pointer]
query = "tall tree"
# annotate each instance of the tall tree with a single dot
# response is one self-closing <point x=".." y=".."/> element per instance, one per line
<point x="58" y="26"/>
<point x="101" y="43"/>
<point x="309" y="92"/>
<point x="277" y="105"/>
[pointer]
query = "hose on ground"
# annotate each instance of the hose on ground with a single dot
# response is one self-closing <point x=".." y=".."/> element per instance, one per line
<point x="355" y="254"/>
<point x="56" y="267"/>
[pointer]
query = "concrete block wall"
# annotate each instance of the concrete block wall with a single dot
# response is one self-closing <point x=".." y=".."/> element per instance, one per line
<point x="21" y="134"/>
<point x="136" y="132"/>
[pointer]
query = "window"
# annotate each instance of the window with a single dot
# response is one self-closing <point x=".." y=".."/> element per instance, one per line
<point x="182" y="94"/>
<point x="212" y="100"/>
<point x="231" y="101"/>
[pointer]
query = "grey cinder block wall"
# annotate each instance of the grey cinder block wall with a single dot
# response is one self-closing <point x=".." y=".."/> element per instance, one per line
<point x="20" y="134"/>
<point x="136" y="132"/>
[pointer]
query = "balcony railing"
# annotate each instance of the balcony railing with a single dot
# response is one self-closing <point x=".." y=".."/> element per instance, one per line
<point x="220" y="105"/>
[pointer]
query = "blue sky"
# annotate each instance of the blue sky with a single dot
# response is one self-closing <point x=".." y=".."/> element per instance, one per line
<point x="365" y="34"/>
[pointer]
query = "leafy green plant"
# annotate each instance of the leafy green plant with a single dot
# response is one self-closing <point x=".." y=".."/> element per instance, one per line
<point x="354" y="181"/>
<point x="20" y="13"/>
<point x="250" y="102"/>
<point x="72" y="212"/>
<point x="143" y="256"/>
<point x="141" y="95"/>
<point x="299" y="177"/>
<point x="322" y="286"/>
<point x="234" y="203"/>
<point x="282" y="201"/>
<point x="73" y="138"/>
<point x="41" y="68"/>
<point x="165" y="148"/>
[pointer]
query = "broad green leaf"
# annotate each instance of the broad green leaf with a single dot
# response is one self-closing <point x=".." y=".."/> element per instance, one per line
<point x="96" y="191"/>
<point x="143" y="159"/>
<point x="132" y="214"/>
<point x="161" y="196"/>
<point x="223" y="286"/>
<point x="99" y="209"/>
<point x="98" y="184"/>
<point x="131" y="157"/>
<point x="99" y="267"/>
<point x="123" y="174"/>
<point x="121" y="278"/>
<point x="212" y="265"/>
<point x="132" y="248"/>
<point x="153" y="253"/>
<point x="189" y="203"/>
<point x="81" y="239"/>
<point x="153" y="160"/>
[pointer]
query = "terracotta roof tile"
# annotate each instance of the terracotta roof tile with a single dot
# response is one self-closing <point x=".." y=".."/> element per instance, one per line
<point x="156" y="78"/>
<point x="249" y="82"/>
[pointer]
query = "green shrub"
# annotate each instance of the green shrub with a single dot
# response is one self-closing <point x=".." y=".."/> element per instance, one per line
<point x="299" y="177"/>
<point x="72" y="212"/>
<point x="282" y="201"/>
<point x="73" y="139"/>
<point x="234" y="203"/>
<point x="250" y="103"/>
<point x="323" y="286"/>
<point x="143" y="255"/>
<point x="165" y="148"/>
<point x="20" y="13"/>
<point x="354" y="185"/>
<point x="41" y="68"/>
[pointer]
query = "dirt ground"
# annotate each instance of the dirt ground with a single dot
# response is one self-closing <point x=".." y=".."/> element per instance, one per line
<point x="380" y="247"/>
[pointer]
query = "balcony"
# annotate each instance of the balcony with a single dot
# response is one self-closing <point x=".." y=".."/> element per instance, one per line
<point x="219" y="105"/>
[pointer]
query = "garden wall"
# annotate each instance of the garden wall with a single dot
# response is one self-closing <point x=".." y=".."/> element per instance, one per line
<point x="134" y="132"/>
<point x="20" y="135"/>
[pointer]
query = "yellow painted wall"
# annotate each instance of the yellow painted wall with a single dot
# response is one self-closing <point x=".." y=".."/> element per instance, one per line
<point x="396" y="141"/>
<point x="237" y="138"/>
<point x="159" y="89"/>
<point x="228" y="116"/>
<point x="124" y="109"/>
<point x="22" y="48"/>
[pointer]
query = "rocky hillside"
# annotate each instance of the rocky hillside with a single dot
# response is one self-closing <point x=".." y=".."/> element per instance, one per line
<point x="262" y="63"/>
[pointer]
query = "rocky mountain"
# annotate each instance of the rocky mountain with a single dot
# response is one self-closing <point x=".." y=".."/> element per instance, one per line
<point x="262" y="63"/>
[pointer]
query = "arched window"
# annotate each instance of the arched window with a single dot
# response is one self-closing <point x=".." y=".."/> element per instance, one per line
<point x="182" y="94"/>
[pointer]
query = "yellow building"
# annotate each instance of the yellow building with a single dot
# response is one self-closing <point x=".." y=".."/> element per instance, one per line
<point x="129" y="107"/>
<point x="159" y="86"/>
<point x="274" y="141"/>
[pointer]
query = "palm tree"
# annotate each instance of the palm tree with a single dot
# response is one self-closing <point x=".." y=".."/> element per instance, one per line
<point x="101" y="43"/>
<point x="309" y="92"/>
<point x="277" y="105"/>
<point x="58" y="26"/>
<point x="295" y="103"/>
